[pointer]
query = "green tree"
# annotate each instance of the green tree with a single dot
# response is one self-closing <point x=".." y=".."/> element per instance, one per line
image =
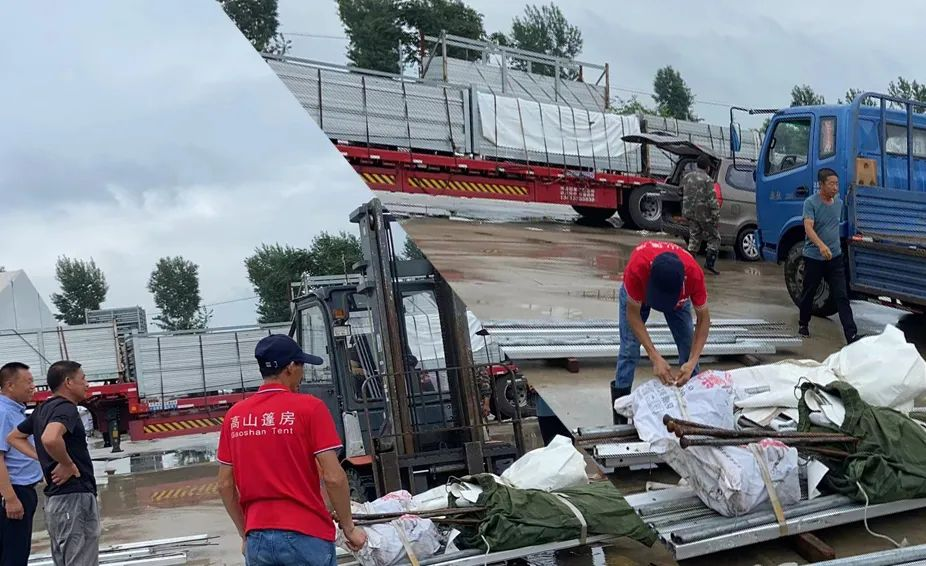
<point x="433" y="16"/>
<point x="801" y="95"/>
<point x="411" y="250"/>
<point x="908" y="89"/>
<point x="804" y="95"/>
<point x="271" y="270"/>
<point x="258" y="21"/>
<point x="630" y="106"/>
<point x="673" y="97"/>
<point x="334" y="254"/>
<point x="83" y="287"/>
<point x="175" y="286"/>
<point x="543" y="29"/>
<point x="374" y="32"/>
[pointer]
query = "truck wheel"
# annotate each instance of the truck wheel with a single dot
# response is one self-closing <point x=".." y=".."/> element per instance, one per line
<point x="823" y="304"/>
<point x="362" y="486"/>
<point x="623" y="212"/>
<point x="593" y="214"/>
<point x="746" y="246"/>
<point x="503" y="397"/>
<point x="645" y="208"/>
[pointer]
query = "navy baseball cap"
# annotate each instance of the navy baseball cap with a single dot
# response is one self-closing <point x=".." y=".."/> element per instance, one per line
<point x="666" y="279"/>
<point x="279" y="350"/>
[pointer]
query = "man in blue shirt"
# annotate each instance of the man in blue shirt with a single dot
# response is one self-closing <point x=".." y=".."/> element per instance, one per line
<point x="19" y="472"/>
<point x="823" y="254"/>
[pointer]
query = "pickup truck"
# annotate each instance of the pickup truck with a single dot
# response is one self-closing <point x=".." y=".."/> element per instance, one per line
<point x="877" y="146"/>
<point x="734" y="184"/>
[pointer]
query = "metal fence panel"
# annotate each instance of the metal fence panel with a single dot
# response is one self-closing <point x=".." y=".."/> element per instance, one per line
<point x="94" y="346"/>
<point x="172" y="366"/>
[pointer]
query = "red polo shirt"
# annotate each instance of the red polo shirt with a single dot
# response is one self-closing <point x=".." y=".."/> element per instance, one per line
<point x="270" y="439"/>
<point x="636" y="274"/>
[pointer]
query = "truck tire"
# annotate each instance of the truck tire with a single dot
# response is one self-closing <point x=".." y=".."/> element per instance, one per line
<point x="623" y="212"/>
<point x="645" y="208"/>
<point x="823" y="304"/>
<point x="746" y="246"/>
<point x="592" y="214"/>
<point x="503" y="399"/>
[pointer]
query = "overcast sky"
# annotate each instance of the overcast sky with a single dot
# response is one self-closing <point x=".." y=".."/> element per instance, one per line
<point x="133" y="130"/>
<point x="728" y="51"/>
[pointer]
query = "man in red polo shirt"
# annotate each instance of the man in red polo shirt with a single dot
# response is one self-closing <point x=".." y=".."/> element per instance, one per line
<point x="664" y="277"/>
<point x="275" y="450"/>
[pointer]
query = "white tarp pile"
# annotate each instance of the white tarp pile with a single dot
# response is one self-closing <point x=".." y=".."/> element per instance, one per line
<point x="386" y="542"/>
<point x="526" y="125"/>
<point x="885" y="369"/>
<point x="727" y="479"/>
<point x="556" y="466"/>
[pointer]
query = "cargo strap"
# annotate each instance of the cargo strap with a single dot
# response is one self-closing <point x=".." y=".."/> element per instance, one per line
<point x="682" y="405"/>
<point x="772" y="494"/>
<point x="413" y="560"/>
<point x="575" y="511"/>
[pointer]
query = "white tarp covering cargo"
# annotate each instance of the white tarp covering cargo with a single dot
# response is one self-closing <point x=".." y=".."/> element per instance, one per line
<point x="729" y="480"/>
<point x="766" y="391"/>
<point x="551" y="133"/>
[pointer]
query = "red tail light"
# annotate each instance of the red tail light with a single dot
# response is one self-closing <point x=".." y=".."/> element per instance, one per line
<point x="719" y="194"/>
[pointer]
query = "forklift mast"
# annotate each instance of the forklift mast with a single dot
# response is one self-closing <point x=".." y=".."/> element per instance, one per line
<point x="381" y="272"/>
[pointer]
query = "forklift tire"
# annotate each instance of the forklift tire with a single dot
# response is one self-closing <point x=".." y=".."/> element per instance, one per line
<point x="592" y="214"/>
<point x="503" y="400"/>
<point x="823" y="303"/>
<point x="361" y="484"/>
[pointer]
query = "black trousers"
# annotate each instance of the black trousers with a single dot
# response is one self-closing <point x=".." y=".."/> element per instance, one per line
<point x="16" y="536"/>
<point x="834" y="272"/>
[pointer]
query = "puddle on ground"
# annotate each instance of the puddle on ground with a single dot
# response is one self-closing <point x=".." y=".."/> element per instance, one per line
<point x="153" y="461"/>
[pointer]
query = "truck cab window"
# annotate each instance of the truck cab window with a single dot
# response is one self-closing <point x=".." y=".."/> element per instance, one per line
<point x="315" y="341"/>
<point x="789" y="147"/>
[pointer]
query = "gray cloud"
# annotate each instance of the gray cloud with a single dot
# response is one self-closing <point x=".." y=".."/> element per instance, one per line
<point x="134" y="130"/>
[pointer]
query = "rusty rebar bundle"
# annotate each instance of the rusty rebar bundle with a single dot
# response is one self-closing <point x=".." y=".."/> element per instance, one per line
<point x="705" y="435"/>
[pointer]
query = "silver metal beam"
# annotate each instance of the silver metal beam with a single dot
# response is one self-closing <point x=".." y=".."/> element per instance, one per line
<point x="610" y="351"/>
<point x="797" y="525"/>
<point x="883" y="558"/>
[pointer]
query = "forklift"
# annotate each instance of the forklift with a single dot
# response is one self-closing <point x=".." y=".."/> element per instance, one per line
<point x="408" y="422"/>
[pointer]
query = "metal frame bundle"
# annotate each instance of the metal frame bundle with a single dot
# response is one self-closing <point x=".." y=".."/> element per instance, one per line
<point x="556" y="339"/>
<point x="688" y="528"/>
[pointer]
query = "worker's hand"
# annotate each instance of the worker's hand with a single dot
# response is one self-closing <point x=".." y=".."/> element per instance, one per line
<point x="684" y="373"/>
<point x="827" y="253"/>
<point x="244" y="548"/>
<point x="356" y="538"/>
<point x="62" y="473"/>
<point x="663" y="371"/>
<point x="14" y="508"/>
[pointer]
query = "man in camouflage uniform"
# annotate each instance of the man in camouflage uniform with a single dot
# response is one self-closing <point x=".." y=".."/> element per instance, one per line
<point x="701" y="209"/>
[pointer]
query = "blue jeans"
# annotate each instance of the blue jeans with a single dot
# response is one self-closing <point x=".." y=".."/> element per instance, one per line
<point x="288" y="548"/>
<point x="680" y="324"/>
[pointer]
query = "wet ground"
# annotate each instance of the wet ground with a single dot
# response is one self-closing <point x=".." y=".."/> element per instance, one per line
<point x="505" y="263"/>
<point x="508" y="260"/>
<point x="160" y="489"/>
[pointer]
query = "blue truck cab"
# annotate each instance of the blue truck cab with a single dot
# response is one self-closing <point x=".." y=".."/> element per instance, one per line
<point x="877" y="146"/>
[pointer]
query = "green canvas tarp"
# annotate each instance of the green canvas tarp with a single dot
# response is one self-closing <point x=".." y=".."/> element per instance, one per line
<point x="515" y="518"/>
<point x="889" y="461"/>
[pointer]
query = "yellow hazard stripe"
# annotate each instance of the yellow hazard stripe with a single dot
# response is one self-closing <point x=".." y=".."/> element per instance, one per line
<point x="188" y="424"/>
<point x="186" y="491"/>
<point x="467" y="186"/>
<point x="379" y="178"/>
